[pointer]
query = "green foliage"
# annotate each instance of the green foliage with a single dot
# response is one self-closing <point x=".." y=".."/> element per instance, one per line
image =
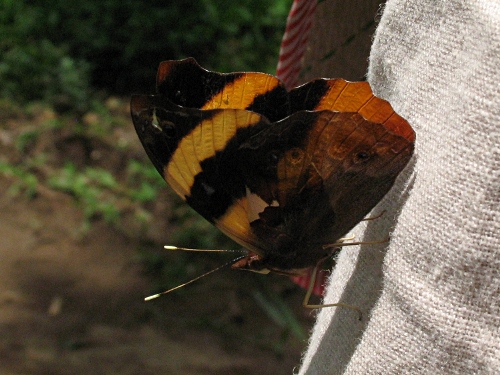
<point x="32" y="67"/>
<point x="53" y="49"/>
<point x="43" y="71"/>
<point x="243" y="35"/>
<point x="99" y="193"/>
<point x="149" y="181"/>
<point x="25" y="181"/>
<point x="26" y="138"/>
<point x="89" y="187"/>
<point x="32" y="163"/>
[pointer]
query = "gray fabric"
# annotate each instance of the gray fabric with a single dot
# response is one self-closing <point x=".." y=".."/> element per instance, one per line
<point x="431" y="297"/>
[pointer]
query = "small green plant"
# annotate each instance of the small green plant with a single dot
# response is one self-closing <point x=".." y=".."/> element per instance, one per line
<point x="100" y="194"/>
<point x="145" y="179"/>
<point x="91" y="188"/>
<point x="26" y="139"/>
<point x="25" y="181"/>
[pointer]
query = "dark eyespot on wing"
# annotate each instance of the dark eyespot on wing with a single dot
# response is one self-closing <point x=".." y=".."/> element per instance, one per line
<point x="265" y="154"/>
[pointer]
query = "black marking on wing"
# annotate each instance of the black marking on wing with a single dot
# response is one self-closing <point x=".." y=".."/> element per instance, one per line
<point x="273" y="104"/>
<point x="308" y="96"/>
<point x="221" y="183"/>
<point x="160" y="140"/>
<point x="189" y="85"/>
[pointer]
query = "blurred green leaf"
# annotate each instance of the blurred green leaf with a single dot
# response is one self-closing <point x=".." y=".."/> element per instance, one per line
<point x="25" y="181"/>
<point x="56" y="50"/>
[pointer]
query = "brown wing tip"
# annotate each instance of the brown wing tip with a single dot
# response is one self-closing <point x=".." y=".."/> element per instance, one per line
<point x="166" y="68"/>
<point x="380" y="110"/>
<point x="398" y="125"/>
<point x="359" y="96"/>
<point x="138" y="103"/>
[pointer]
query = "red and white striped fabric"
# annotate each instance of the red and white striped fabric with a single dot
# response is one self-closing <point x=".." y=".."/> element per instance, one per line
<point x="294" y="41"/>
<point x="292" y="50"/>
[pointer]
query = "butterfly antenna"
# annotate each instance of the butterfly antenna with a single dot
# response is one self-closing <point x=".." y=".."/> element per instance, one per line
<point x="168" y="247"/>
<point x="193" y="280"/>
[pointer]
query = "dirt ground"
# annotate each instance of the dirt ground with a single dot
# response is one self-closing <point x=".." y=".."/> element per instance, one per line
<point x="72" y="303"/>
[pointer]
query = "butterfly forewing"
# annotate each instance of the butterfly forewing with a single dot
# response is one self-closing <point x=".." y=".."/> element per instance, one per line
<point x="343" y="96"/>
<point x="187" y="84"/>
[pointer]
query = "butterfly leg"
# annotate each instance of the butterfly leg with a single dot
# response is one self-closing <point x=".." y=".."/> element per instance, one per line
<point x="344" y="239"/>
<point x="342" y="244"/>
<point x="306" y="304"/>
<point x="375" y="217"/>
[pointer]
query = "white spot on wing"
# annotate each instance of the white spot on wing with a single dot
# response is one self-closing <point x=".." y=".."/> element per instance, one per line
<point x="256" y="205"/>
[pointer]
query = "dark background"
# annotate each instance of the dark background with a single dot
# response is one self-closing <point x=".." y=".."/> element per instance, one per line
<point x="54" y="49"/>
<point x="84" y="215"/>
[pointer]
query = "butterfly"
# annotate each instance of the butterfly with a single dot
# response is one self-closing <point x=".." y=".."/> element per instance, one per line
<point x="282" y="173"/>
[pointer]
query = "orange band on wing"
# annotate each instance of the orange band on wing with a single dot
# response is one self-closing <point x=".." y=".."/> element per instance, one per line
<point x="241" y="93"/>
<point x="204" y="141"/>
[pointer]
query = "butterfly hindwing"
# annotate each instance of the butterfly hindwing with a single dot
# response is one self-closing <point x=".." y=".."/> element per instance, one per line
<point x="320" y="173"/>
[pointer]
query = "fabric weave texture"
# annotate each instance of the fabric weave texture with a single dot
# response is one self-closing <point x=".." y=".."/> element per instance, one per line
<point x="431" y="296"/>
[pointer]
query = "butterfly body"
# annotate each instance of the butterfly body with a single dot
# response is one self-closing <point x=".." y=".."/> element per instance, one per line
<point x="282" y="173"/>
